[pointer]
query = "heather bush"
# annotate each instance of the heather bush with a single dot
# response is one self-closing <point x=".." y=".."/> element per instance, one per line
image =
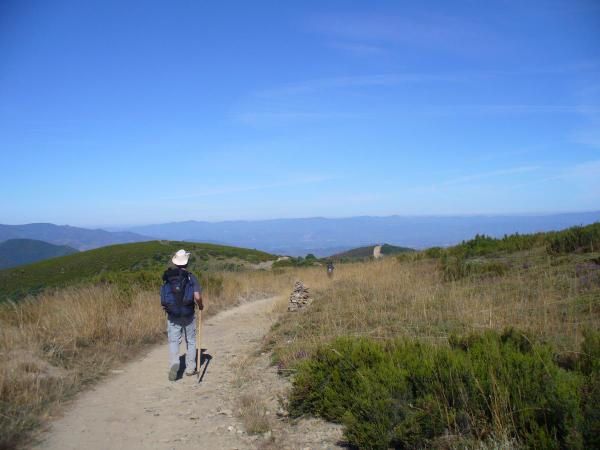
<point x="575" y="239"/>
<point x="408" y="394"/>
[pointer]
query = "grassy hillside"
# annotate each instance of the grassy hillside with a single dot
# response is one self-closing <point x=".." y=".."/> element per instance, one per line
<point x="367" y="252"/>
<point x="16" y="252"/>
<point x="493" y="343"/>
<point x="142" y="261"/>
<point x="484" y="255"/>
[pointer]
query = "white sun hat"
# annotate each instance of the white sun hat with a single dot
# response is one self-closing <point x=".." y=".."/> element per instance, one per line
<point x="181" y="258"/>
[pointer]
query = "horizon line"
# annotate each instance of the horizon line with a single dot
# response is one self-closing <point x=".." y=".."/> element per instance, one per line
<point x="407" y="216"/>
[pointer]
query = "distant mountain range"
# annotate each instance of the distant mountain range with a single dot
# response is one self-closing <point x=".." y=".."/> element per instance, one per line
<point x="78" y="238"/>
<point x="16" y="252"/>
<point x="298" y="237"/>
<point x="324" y="237"/>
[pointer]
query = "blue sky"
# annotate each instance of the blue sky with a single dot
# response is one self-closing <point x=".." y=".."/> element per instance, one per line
<point x="115" y="113"/>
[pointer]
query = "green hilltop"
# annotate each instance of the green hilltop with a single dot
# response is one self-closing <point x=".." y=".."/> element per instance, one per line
<point x="486" y="256"/>
<point x="141" y="261"/>
<point x="16" y="252"/>
<point x="367" y="252"/>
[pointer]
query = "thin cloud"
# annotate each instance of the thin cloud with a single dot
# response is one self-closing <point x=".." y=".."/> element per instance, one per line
<point x="586" y="174"/>
<point x="426" y="31"/>
<point x="257" y="118"/>
<point x="588" y="132"/>
<point x="481" y="176"/>
<point x="390" y="79"/>
<point x="589" y="136"/>
<point x="487" y="175"/>
<point x="400" y="78"/>
<point x="542" y="109"/>
<point x="358" y="49"/>
<point x="223" y="190"/>
<point x="375" y="27"/>
<point x="503" y="154"/>
<point x="348" y="26"/>
<point x="586" y="170"/>
<point x="505" y="109"/>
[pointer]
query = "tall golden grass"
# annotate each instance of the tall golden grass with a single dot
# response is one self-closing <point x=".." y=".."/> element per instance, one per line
<point x="251" y="285"/>
<point x="388" y="298"/>
<point x="53" y="345"/>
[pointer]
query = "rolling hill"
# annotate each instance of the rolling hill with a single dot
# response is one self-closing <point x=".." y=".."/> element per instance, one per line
<point x="78" y="238"/>
<point x="143" y="261"/>
<point x="16" y="252"/>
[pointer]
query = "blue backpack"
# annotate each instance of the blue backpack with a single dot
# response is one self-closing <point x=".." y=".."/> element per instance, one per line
<point x="177" y="293"/>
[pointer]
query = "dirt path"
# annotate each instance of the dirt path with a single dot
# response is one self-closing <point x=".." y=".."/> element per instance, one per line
<point x="139" y="408"/>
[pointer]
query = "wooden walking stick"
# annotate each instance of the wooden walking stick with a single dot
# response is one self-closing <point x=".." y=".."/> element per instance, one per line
<point x="198" y="341"/>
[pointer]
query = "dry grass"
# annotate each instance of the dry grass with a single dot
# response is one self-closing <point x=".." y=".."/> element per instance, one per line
<point x="254" y="414"/>
<point x="241" y="371"/>
<point x="54" y="345"/>
<point x="384" y="299"/>
<point x="551" y="299"/>
<point x="252" y="285"/>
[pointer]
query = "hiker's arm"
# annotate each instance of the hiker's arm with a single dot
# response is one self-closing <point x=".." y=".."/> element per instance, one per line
<point x="198" y="298"/>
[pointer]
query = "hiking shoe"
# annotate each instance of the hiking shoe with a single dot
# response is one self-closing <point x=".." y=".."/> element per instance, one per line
<point x="173" y="372"/>
<point x="191" y="372"/>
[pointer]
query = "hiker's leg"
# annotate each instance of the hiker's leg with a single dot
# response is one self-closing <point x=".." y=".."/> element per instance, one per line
<point x="174" y="334"/>
<point x="190" y="341"/>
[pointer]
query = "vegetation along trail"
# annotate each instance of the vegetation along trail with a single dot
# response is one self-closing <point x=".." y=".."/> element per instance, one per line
<point x="236" y="405"/>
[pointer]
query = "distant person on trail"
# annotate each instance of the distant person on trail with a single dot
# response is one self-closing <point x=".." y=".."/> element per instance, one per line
<point x="330" y="269"/>
<point x="179" y="294"/>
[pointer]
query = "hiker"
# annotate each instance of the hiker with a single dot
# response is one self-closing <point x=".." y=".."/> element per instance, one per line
<point x="178" y="296"/>
<point x="330" y="269"/>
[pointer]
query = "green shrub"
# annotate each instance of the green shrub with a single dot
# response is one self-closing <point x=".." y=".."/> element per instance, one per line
<point x="591" y="410"/>
<point x="456" y="267"/>
<point x="589" y="361"/>
<point x="465" y="259"/>
<point x="410" y="257"/>
<point x="406" y="394"/>
<point x="575" y="239"/>
<point x="434" y="252"/>
<point x="309" y="261"/>
<point x="589" y="365"/>
<point x="482" y="245"/>
<point x="492" y="268"/>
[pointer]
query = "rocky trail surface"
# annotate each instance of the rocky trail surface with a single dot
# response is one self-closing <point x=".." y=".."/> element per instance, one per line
<point x="237" y="405"/>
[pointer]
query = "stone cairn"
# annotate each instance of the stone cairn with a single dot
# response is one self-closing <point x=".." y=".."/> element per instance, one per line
<point x="299" y="298"/>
